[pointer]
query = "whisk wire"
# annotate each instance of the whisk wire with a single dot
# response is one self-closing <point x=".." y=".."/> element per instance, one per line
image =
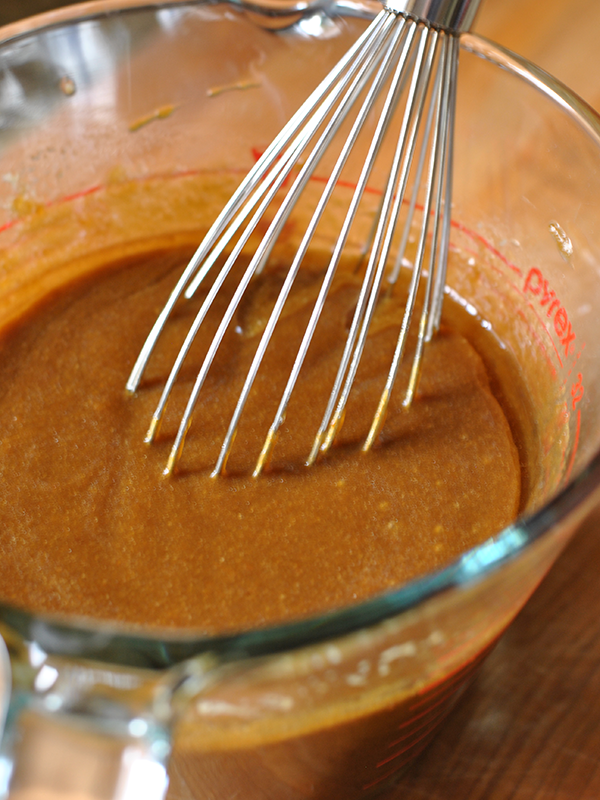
<point x="256" y="262"/>
<point x="434" y="197"/>
<point x="412" y="49"/>
<point x="265" y="195"/>
<point x="254" y="178"/>
<point x="448" y="164"/>
<point x="342" y="238"/>
<point x="410" y="215"/>
<point x="280" y="165"/>
<point x="374" y="90"/>
<point x="394" y="195"/>
<point x="430" y="147"/>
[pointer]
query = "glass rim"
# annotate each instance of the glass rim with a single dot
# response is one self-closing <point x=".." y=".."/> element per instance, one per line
<point x="129" y="645"/>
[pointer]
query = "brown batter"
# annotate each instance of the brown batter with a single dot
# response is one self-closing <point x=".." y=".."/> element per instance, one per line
<point x="88" y="526"/>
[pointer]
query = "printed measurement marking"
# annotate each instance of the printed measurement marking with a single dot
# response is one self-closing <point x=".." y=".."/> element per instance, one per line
<point x="422" y="723"/>
<point x="563" y="328"/>
<point x="577" y="390"/>
<point x="443" y="691"/>
<point x="407" y="750"/>
<point x="389" y="774"/>
<point x="165" y="176"/>
<point x="488" y="246"/>
<point x="429" y="727"/>
<point x="536" y="284"/>
<point x="534" y="281"/>
<point x="440" y="693"/>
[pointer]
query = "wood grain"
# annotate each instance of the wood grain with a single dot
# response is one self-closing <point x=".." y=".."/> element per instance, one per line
<point x="529" y="727"/>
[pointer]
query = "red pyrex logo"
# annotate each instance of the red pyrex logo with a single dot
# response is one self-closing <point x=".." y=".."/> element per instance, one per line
<point x="536" y="284"/>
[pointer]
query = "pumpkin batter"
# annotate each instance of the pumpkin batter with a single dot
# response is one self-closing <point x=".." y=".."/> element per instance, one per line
<point x="89" y="526"/>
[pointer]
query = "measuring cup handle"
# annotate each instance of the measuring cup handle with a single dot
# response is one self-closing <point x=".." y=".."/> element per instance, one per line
<point x="76" y="728"/>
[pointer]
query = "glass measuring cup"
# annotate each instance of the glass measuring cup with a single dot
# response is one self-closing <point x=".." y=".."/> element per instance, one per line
<point x="333" y="706"/>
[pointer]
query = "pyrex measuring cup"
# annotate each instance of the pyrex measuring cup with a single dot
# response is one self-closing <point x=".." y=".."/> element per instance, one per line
<point x="110" y="113"/>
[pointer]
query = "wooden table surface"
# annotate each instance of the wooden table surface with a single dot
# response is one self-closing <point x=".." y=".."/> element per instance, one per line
<point x="529" y="727"/>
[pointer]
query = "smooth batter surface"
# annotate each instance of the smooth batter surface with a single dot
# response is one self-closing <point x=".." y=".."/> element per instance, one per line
<point x="88" y="525"/>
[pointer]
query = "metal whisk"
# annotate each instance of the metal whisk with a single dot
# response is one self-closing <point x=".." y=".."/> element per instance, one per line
<point x="410" y="53"/>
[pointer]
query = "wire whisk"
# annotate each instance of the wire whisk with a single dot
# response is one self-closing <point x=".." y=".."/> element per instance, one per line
<point x="389" y="102"/>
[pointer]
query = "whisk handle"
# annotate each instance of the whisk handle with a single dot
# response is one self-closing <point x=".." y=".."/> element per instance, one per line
<point x="452" y="15"/>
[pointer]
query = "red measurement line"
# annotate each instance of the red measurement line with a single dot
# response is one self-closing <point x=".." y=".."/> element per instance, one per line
<point x="403" y="762"/>
<point x="417" y="717"/>
<point x="524" y="296"/>
<point x="459" y="676"/>
<point x="100" y="187"/>
<point x="432" y="726"/>
<point x="442" y="689"/>
<point x="188" y="173"/>
<point x="452" y="689"/>
<point x="389" y="774"/>
<point x="458" y="225"/>
<point x="520" y="292"/>
<point x="350" y="185"/>
<point x="346" y="184"/>
<point x="76" y="196"/>
<point x="452" y="677"/>
<point x="439" y="713"/>
<point x="479" y="238"/>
